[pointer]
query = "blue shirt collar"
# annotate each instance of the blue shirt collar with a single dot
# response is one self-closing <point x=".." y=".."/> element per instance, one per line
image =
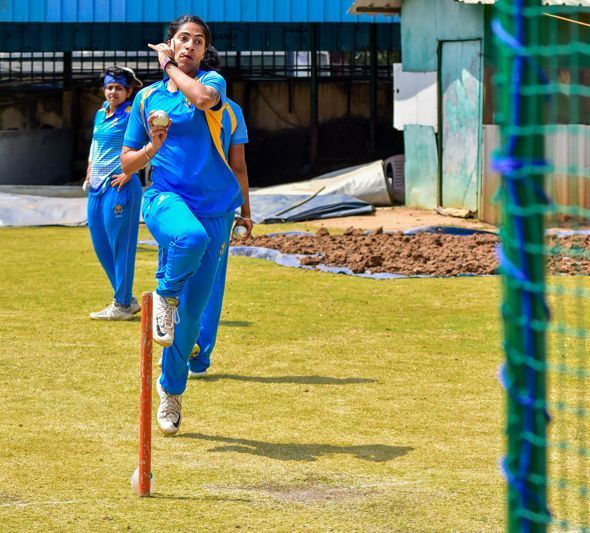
<point x="119" y="110"/>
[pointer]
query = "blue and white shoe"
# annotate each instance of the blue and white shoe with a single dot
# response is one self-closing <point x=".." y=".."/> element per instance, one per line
<point x="134" y="306"/>
<point x="165" y="317"/>
<point x="194" y="354"/>
<point x="196" y="375"/>
<point x="113" y="312"/>
<point x="169" y="412"/>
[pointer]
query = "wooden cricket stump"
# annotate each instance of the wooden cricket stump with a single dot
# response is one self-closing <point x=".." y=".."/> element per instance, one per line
<point x="145" y="397"/>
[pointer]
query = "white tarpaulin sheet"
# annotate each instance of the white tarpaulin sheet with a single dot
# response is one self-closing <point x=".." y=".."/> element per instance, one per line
<point x="365" y="182"/>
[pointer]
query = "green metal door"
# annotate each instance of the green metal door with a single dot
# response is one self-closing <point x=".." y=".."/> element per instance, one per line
<point x="460" y="89"/>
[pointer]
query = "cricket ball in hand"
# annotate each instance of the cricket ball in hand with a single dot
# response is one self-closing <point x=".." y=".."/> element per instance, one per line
<point x="160" y="118"/>
<point x="135" y="482"/>
<point x="240" y="232"/>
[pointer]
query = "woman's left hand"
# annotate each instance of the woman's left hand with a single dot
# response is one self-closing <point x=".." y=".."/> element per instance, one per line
<point x="120" y="180"/>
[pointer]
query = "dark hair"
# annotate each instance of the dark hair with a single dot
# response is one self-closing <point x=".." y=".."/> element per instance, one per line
<point x="211" y="60"/>
<point x="177" y="23"/>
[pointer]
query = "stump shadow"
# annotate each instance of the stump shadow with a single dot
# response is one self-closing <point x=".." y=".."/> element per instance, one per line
<point x="378" y="453"/>
<point x="235" y="323"/>
<point x="300" y="380"/>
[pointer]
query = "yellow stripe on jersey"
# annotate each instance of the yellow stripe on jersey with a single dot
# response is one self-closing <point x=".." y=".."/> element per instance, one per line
<point x="214" y="123"/>
<point x="215" y="127"/>
<point x="142" y="107"/>
<point x="232" y="118"/>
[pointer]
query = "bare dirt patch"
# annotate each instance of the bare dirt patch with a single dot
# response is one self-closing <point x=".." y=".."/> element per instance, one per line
<point x="399" y="218"/>
<point x="423" y="254"/>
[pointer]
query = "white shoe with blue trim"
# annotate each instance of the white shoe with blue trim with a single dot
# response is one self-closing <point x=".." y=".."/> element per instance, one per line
<point x="165" y="317"/>
<point x="113" y="312"/>
<point x="169" y="412"/>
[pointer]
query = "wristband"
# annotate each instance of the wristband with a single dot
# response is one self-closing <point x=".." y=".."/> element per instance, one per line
<point x="167" y="61"/>
<point x="245" y="218"/>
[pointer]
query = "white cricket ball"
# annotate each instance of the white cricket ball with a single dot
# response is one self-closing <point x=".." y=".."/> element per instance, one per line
<point x="160" y="118"/>
<point x="240" y="232"/>
<point x="135" y="482"/>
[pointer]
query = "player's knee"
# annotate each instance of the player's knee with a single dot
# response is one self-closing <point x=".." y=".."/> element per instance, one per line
<point x="196" y="241"/>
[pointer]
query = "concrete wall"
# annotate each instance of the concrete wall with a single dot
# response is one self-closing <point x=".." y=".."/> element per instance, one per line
<point x="35" y="157"/>
<point x="273" y="106"/>
<point x="31" y="111"/>
<point x="36" y="142"/>
<point x="270" y="107"/>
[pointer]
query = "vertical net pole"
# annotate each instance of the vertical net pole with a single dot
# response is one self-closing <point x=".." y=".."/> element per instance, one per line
<point x="145" y="397"/>
<point x="521" y="162"/>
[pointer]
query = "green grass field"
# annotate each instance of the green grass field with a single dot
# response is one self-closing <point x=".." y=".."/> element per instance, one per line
<point x="334" y="403"/>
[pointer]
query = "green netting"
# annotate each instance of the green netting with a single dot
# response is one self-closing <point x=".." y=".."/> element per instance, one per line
<point x="542" y="88"/>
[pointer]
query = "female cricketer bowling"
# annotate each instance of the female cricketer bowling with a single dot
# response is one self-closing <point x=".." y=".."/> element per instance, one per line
<point x="114" y="197"/>
<point x="234" y="138"/>
<point x="190" y="207"/>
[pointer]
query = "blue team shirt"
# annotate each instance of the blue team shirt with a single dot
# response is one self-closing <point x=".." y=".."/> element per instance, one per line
<point x="234" y="130"/>
<point x="188" y="163"/>
<point x="107" y="142"/>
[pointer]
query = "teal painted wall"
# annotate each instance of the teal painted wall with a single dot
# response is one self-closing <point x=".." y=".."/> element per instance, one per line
<point x="421" y="167"/>
<point x="461" y="88"/>
<point x="425" y="23"/>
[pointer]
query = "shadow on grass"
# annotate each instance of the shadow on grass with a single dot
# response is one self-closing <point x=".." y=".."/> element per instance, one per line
<point x="378" y="453"/>
<point x="235" y="323"/>
<point x="301" y="380"/>
<point x="161" y="496"/>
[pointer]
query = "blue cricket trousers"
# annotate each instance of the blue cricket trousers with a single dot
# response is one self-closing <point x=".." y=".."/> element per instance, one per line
<point x="113" y="220"/>
<point x="191" y="249"/>
<point x="210" y="321"/>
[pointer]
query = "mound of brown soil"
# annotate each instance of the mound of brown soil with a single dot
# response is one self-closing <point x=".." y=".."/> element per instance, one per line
<point x="420" y="254"/>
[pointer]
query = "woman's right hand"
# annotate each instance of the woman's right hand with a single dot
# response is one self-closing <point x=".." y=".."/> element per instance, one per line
<point x="158" y="134"/>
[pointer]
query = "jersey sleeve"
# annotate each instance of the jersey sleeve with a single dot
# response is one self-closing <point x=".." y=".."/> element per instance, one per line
<point x="91" y="151"/>
<point x="216" y="81"/>
<point x="135" y="134"/>
<point x="93" y="144"/>
<point x="240" y="135"/>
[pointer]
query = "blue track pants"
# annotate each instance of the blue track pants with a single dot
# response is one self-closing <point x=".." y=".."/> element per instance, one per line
<point x="113" y="220"/>
<point x="191" y="250"/>
<point x="210" y="320"/>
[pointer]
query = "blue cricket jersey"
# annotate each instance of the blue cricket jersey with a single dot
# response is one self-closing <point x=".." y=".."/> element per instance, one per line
<point x="234" y="130"/>
<point x="107" y="142"/>
<point x="191" y="162"/>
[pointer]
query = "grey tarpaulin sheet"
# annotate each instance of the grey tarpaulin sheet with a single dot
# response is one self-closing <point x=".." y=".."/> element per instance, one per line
<point x="292" y="260"/>
<point x="32" y="210"/>
<point x="66" y="206"/>
<point x="269" y="208"/>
